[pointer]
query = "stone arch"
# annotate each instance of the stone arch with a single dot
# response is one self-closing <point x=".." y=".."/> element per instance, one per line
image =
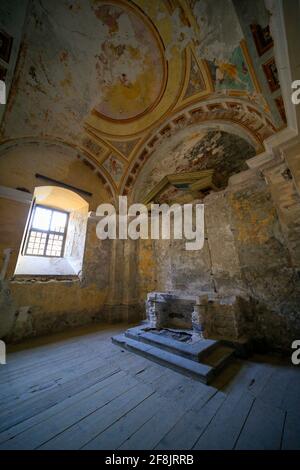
<point x="75" y="151"/>
<point x="231" y="115"/>
<point x="192" y="150"/>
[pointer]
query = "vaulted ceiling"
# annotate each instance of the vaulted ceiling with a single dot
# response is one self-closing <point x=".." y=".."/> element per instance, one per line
<point x="117" y="79"/>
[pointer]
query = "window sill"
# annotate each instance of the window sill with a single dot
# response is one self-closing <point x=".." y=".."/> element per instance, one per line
<point x="31" y="278"/>
<point x="36" y="266"/>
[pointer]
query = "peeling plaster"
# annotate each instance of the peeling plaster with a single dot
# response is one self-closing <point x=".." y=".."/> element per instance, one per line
<point x="187" y="151"/>
<point x="182" y="35"/>
<point x="217" y="43"/>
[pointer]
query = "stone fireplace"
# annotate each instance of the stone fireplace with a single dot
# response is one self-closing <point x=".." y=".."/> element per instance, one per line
<point x="169" y="310"/>
<point x="209" y="315"/>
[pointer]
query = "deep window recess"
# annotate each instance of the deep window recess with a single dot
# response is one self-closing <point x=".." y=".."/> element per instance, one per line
<point x="47" y="232"/>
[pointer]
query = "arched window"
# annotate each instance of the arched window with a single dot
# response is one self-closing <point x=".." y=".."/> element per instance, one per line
<point x="54" y="237"/>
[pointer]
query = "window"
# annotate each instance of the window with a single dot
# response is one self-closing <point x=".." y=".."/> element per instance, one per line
<point x="47" y="232"/>
<point x="54" y="236"/>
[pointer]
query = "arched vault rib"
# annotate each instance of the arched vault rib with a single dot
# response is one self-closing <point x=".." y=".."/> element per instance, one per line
<point x="77" y="151"/>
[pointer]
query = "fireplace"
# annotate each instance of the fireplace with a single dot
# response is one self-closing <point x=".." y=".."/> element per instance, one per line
<point x="165" y="310"/>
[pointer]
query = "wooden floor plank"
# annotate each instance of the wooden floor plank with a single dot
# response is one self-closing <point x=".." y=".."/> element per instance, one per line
<point x="169" y="381"/>
<point x="276" y="387"/>
<point x="78" y="435"/>
<point x="31" y="407"/>
<point x="263" y="428"/>
<point x="291" y="398"/>
<point x="56" y="409"/>
<point x="224" y="429"/>
<point x="51" y="427"/>
<point x="78" y="390"/>
<point x="291" y="433"/>
<point x="125" y="427"/>
<point x="187" y="430"/>
<point x="149" y="435"/>
<point x="36" y="383"/>
<point x="62" y="370"/>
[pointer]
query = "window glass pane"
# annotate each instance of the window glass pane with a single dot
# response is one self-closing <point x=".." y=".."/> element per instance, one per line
<point x="41" y="219"/>
<point x="58" y="222"/>
<point x="40" y="241"/>
<point x="36" y="243"/>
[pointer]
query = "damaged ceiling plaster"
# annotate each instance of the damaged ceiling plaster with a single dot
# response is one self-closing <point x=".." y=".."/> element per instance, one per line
<point x="109" y="78"/>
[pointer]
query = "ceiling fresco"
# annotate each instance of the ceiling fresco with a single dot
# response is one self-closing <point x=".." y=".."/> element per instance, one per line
<point x="117" y="79"/>
<point x="128" y="92"/>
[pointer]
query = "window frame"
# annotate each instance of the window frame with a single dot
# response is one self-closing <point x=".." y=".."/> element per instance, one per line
<point x="48" y="232"/>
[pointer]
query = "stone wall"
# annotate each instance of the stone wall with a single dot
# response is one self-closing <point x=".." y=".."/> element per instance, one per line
<point x="250" y="254"/>
<point x="56" y="303"/>
<point x="247" y="257"/>
<point x="105" y="291"/>
<point x="45" y="304"/>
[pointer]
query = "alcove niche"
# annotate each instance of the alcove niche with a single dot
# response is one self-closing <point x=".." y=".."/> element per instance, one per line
<point x="54" y="236"/>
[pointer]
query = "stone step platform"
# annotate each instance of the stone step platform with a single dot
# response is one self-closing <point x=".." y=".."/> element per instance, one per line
<point x="219" y="358"/>
<point x="196" y="370"/>
<point x="199" y="361"/>
<point x="194" y="351"/>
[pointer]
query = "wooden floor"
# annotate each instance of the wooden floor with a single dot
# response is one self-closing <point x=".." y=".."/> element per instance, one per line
<point x="79" y="391"/>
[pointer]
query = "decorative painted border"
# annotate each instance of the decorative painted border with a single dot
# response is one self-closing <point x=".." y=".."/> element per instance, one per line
<point x="271" y="74"/>
<point x="262" y="46"/>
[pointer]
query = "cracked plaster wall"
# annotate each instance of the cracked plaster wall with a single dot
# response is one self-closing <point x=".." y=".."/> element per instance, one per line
<point x="248" y="251"/>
